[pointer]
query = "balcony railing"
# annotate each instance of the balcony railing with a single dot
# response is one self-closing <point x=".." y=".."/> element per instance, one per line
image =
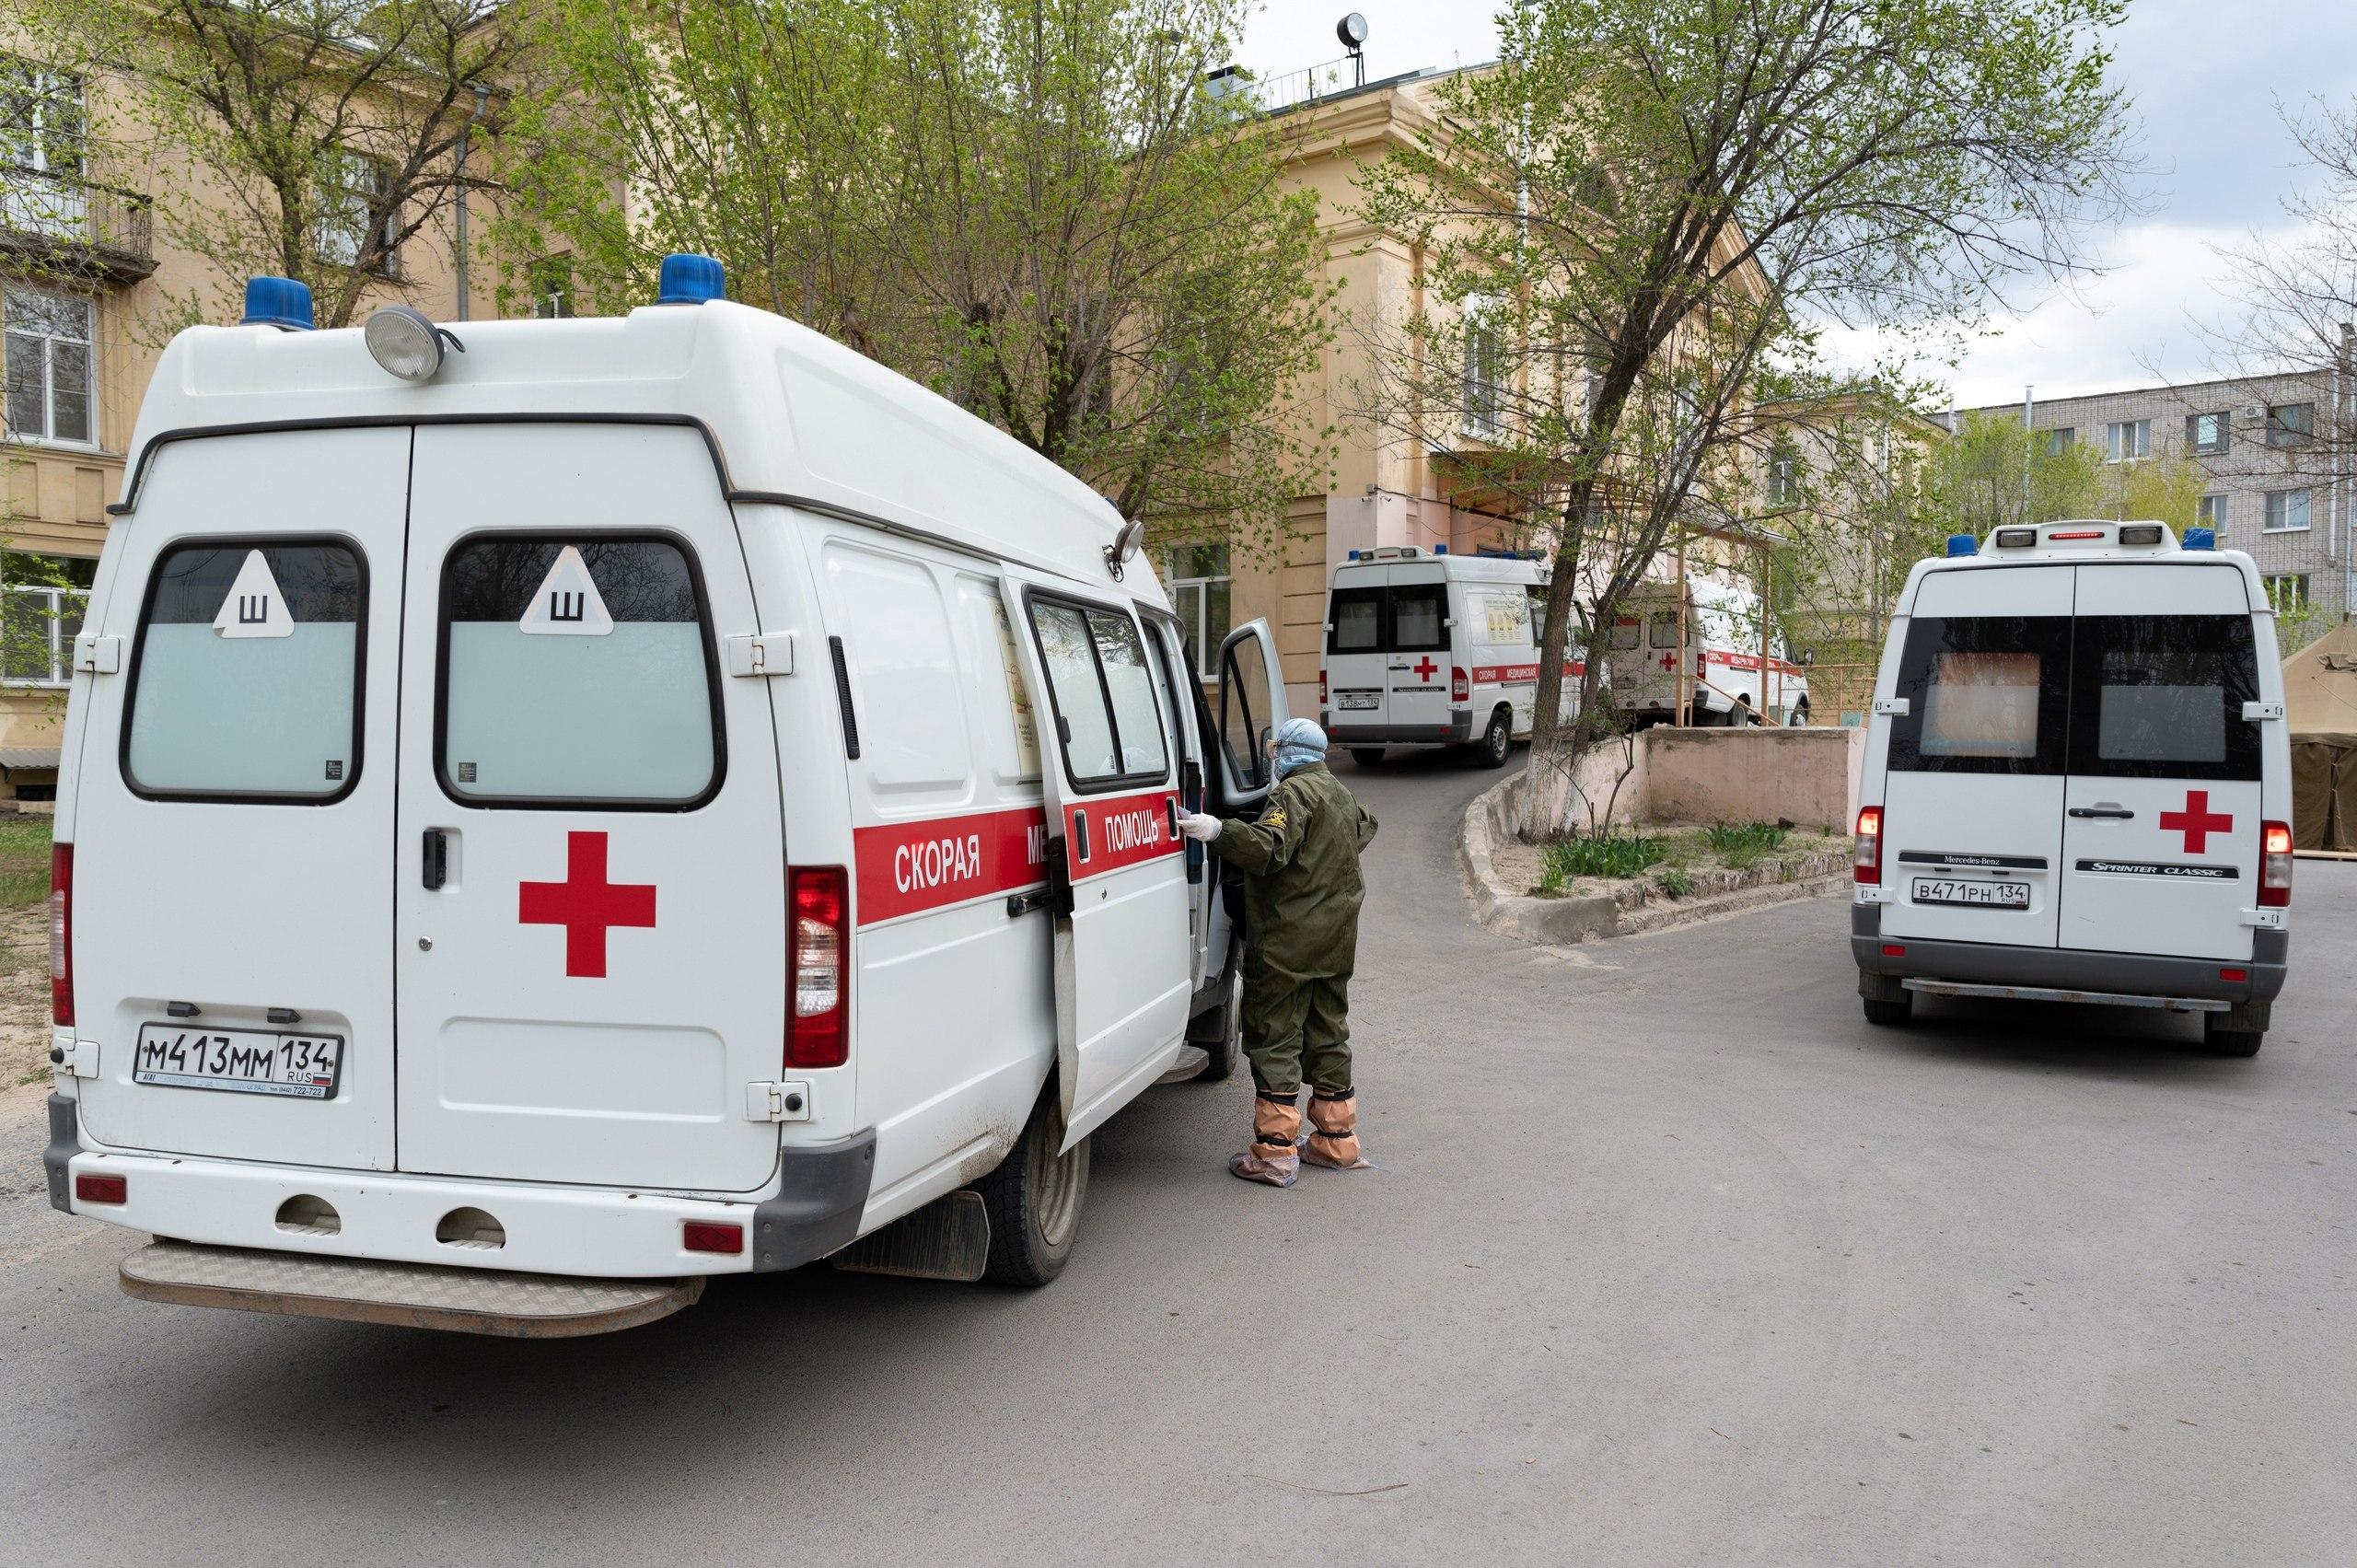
<point x="76" y="224"/>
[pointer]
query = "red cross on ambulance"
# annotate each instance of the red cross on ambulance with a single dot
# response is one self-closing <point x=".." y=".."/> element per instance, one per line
<point x="586" y="904"/>
<point x="2197" y="822"/>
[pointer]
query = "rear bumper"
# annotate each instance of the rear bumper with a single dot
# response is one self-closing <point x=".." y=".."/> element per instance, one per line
<point x="2057" y="969"/>
<point x="598" y="1232"/>
<point x="1455" y="732"/>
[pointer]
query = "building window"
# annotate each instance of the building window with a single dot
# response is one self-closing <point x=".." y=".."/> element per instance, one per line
<point x="2206" y="434"/>
<point x="2127" y="440"/>
<point x="2061" y="439"/>
<point x="1198" y="582"/>
<point x="2290" y="424"/>
<point x="42" y="129"/>
<point x="41" y="601"/>
<point x="2289" y="593"/>
<point x="2287" y="511"/>
<point x="1485" y="353"/>
<point x="550" y="280"/>
<point x="1783" y="475"/>
<point x="351" y="187"/>
<point x="2210" y="511"/>
<point x="48" y="369"/>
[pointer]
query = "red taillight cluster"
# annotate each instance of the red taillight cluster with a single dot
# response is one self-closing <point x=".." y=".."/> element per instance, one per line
<point x="817" y="988"/>
<point x="1867" y="861"/>
<point x="1321" y="687"/>
<point x="2274" y="865"/>
<point x="61" y="935"/>
<point x="1460" y="686"/>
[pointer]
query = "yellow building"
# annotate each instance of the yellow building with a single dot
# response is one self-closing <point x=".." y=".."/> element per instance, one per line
<point x="85" y="279"/>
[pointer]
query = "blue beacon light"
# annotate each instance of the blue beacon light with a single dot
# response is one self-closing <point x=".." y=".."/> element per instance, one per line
<point x="278" y="302"/>
<point x="690" y="279"/>
<point x="1962" y="544"/>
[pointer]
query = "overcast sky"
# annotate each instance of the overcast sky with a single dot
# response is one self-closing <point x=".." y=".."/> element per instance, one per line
<point x="2203" y="79"/>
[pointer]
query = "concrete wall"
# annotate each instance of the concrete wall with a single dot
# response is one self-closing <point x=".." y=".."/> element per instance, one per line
<point x="1806" y="776"/>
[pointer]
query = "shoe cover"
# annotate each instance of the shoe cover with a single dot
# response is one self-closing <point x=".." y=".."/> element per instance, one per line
<point x="1270" y="1157"/>
<point x="1333" y="1139"/>
<point x="1264" y="1163"/>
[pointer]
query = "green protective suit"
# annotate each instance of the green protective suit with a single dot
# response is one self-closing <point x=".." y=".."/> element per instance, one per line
<point x="1302" y="891"/>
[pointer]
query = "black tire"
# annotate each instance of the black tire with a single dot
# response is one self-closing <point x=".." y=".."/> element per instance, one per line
<point x="1366" y="756"/>
<point x="1034" y="1200"/>
<point x="1888" y="1014"/>
<point x="1219" y="1034"/>
<point x="1497" y="741"/>
<point x="2230" y="1042"/>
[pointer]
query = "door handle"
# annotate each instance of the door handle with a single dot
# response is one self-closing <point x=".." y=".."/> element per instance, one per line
<point x="2119" y="813"/>
<point x="436" y="859"/>
<point x="1024" y="903"/>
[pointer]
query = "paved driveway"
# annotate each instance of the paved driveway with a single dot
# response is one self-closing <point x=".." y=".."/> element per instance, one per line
<point x="1673" y="1260"/>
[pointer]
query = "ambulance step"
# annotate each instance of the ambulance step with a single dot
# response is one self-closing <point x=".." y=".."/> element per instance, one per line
<point x="1189" y="1065"/>
<point x="414" y="1296"/>
<point x="949" y="1238"/>
<point x="2048" y="993"/>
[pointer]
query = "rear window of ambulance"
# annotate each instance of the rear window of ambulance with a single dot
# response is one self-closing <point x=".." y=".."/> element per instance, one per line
<point x="2161" y="696"/>
<point x="246" y="679"/>
<point x="1985" y="695"/>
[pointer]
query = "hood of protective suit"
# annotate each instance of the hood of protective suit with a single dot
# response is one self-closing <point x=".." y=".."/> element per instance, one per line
<point x="1299" y="743"/>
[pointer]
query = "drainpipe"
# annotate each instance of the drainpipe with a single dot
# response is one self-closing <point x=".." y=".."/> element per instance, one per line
<point x="2345" y="411"/>
<point x="466" y="135"/>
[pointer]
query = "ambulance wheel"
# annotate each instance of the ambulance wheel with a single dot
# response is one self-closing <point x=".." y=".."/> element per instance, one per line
<point x="1888" y="1014"/>
<point x="1366" y="756"/>
<point x="1497" y="741"/>
<point x="2230" y="1043"/>
<point x="1034" y="1199"/>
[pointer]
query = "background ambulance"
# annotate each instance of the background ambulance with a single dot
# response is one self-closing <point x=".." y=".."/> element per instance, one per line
<point x="637" y="799"/>
<point x="2077" y="783"/>
<point x="1727" y="681"/>
<point x="1434" y="650"/>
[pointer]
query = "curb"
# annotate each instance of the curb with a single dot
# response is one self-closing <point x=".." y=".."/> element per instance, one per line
<point x="1561" y="922"/>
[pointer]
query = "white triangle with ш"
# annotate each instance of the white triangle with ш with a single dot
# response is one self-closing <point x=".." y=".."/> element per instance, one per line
<point x="567" y="603"/>
<point x="255" y="608"/>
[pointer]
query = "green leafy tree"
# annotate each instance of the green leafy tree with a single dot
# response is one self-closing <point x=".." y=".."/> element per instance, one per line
<point x="1647" y="204"/>
<point x="307" y="138"/>
<point x="1033" y="206"/>
<point x="1991" y="473"/>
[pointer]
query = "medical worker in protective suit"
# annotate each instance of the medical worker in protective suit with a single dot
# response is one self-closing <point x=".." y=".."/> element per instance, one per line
<point x="1302" y="891"/>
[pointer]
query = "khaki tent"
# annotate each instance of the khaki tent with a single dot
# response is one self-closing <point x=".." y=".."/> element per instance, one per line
<point x="2320" y="694"/>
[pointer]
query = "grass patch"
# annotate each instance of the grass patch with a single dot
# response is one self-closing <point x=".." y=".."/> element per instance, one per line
<point x="1675" y="882"/>
<point x="24" y="861"/>
<point x="1755" y="839"/>
<point x="1613" y="856"/>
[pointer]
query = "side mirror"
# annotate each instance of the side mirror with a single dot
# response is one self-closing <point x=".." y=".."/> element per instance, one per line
<point x="1805" y="660"/>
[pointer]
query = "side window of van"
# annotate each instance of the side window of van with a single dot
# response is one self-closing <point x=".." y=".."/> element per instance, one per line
<point x="1985" y="695"/>
<point x="1501" y="619"/>
<point x="1244" y="682"/>
<point x="577" y="669"/>
<point x="1105" y="711"/>
<point x="1664" y="629"/>
<point x="246" y="681"/>
<point x="2161" y="696"/>
<point x="1625" y="630"/>
<point x="1358" y="622"/>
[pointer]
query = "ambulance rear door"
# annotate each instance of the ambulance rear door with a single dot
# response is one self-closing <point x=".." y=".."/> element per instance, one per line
<point x="1357" y="671"/>
<point x="2160" y="839"/>
<point x="232" y="854"/>
<point x="1972" y="804"/>
<point x="1123" y="953"/>
<point x="591" y="947"/>
<point x="1416" y="649"/>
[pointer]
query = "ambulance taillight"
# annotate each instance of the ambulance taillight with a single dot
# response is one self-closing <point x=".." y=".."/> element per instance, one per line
<point x="1321" y="687"/>
<point x="817" y="1034"/>
<point x="1460" y="686"/>
<point x="2274" y="865"/>
<point x="1868" y="860"/>
<point x="61" y="935"/>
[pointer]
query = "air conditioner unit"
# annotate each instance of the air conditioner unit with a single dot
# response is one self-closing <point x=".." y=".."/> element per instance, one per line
<point x="2253" y="412"/>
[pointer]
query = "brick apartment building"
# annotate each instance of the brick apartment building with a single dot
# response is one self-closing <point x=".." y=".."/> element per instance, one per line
<point x="2276" y="485"/>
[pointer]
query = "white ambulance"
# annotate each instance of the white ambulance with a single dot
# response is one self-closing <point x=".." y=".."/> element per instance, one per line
<point x="1427" y="649"/>
<point x="2077" y="784"/>
<point x="634" y="799"/>
<point x="1728" y="681"/>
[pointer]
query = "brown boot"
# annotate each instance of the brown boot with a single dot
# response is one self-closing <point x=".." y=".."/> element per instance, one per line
<point x="1334" y="1130"/>
<point x="1272" y="1157"/>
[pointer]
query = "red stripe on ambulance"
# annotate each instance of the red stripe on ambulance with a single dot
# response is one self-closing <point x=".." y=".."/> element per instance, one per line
<point x="1518" y="673"/>
<point x="908" y="868"/>
<point x="1127" y="829"/>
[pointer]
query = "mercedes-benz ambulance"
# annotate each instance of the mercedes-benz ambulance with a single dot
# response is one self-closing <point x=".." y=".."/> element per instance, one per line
<point x="1728" y="681"/>
<point x="1427" y="649"/>
<point x="2077" y="785"/>
<point x="555" y="810"/>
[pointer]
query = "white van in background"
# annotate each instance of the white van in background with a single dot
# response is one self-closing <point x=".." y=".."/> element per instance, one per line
<point x="1432" y="649"/>
<point x="2077" y="782"/>
<point x="1728" y="682"/>
<point x="638" y="799"/>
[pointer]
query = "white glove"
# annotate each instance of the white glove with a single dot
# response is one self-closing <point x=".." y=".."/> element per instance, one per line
<point x="1199" y="826"/>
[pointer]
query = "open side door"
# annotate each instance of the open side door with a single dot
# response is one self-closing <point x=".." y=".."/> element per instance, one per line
<point x="1251" y="705"/>
<point x="1117" y="875"/>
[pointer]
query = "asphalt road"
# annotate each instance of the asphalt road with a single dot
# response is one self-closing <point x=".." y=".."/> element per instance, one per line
<point x="1673" y="1260"/>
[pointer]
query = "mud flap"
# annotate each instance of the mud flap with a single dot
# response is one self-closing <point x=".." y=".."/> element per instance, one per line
<point x="949" y="1238"/>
